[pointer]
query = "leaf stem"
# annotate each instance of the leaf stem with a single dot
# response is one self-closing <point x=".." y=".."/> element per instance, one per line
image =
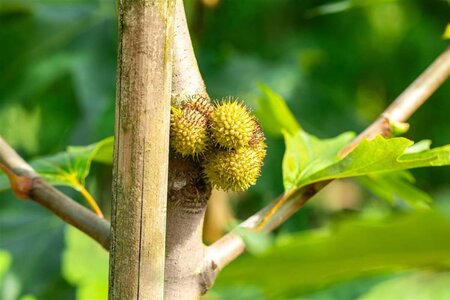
<point x="83" y="191"/>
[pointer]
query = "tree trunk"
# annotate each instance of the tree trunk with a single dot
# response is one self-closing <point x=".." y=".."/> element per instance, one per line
<point x="142" y="149"/>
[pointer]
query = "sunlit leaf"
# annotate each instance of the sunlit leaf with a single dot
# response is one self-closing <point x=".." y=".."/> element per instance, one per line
<point x="69" y="167"/>
<point x="381" y="155"/>
<point x="352" y="249"/>
<point x="306" y="154"/>
<point x="395" y="186"/>
<point x="374" y="156"/>
<point x="274" y="114"/>
<point x="104" y="153"/>
<point x="419" y="146"/>
<point x="236" y="292"/>
<point x="424" y="285"/>
<point x="85" y="265"/>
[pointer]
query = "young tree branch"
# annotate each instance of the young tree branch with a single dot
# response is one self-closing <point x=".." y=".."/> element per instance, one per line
<point x="230" y="246"/>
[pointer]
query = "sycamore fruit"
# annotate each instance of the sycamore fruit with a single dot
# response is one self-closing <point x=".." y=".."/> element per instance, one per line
<point x="188" y="132"/>
<point x="231" y="125"/>
<point x="225" y="138"/>
<point x="201" y="104"/>
<point x="235" y="170"/>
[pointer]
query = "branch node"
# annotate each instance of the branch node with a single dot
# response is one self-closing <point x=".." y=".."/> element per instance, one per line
<point x="20" y="185"/>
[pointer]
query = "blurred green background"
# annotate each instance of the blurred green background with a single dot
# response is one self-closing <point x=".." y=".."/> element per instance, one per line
<point x="338" y="64"/>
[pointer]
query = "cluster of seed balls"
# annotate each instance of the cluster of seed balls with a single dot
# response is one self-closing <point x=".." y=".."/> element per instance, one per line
<point x="224" y="137"/>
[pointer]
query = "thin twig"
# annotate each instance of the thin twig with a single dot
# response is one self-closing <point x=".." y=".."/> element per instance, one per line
<point x="58" y="203"/>
<point x="230" y="246"/>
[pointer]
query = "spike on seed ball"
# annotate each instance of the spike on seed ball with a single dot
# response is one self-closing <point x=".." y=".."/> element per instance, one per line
<point x="200" y="104"/>
<point x="258" y="134"/>
<point x="188" y="132"/>
<point x="231" y="125"/>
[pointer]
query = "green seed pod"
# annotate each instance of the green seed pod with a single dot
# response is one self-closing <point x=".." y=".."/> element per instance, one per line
<point x="231" y="125"/>
<point x="188" y="132"/>
<point x="235" y="170"/>
<point x="200" y="104"/>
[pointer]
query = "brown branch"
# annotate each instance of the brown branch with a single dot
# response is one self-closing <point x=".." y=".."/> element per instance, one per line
<point x="58" y="203"/>
<point x="229" y="247"/>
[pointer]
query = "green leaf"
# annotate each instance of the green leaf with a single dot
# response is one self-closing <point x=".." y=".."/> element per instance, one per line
<point x="34" y="239"/>
<point x="71" y="167"/>
<point x="419" y="146"/>
<point x="424" y="285"/>
<point x="306" y="154"/>
<point x="85" y="265"/>
<point x="381" y="155"/>
<point x="274" y="114"/>
<point x="352" y="249"/>
<point x="394" y="186"/>
<point x="374" y="156"/>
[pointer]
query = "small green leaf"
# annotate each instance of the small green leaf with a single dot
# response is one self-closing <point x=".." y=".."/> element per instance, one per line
<point x="274" y="114"/>
<point x="350" y="249"/>
<point x="306" y="154"/>
<point x="394" y="186"/>
<point x="85" y="265"/>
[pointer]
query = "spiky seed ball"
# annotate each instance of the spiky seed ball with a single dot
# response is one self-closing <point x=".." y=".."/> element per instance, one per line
<point x="188" y="132"/>
<point x="231" y="125"/>
<point x="234" y="170"/>
<point x="258" y="134"/>
<point x="260" y="149"/>
<point x="200" y="104"/>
